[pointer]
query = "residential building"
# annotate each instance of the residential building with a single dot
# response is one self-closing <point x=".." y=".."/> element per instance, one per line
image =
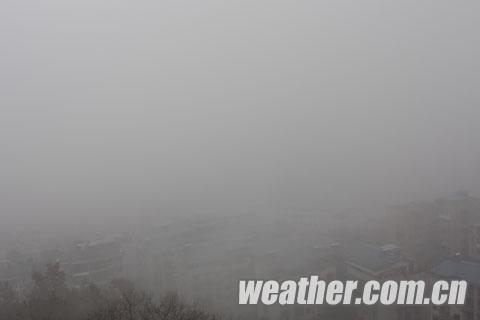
<point x="458" y="270"/>
<point x="94" y="262"/>
<point x="430" y="232"/>
<point x="364" y="262"/>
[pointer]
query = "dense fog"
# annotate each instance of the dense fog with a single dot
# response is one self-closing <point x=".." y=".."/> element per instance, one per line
<point x="116" y="109"/>
<point x="129" y="116"/>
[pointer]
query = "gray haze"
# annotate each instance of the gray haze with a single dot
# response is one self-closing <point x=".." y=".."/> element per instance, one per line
<point x="127" y="108"/>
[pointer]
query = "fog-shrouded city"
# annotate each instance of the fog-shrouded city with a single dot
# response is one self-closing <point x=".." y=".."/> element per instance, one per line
<point x="155" y="153"/>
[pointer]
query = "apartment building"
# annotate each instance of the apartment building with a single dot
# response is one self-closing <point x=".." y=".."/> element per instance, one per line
<point x="364" y="262"/>
<point x="429" y="232"/>
<point x="455" y="270"/>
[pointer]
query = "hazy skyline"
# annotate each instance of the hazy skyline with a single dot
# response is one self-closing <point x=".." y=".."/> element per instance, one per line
<point x="115" y="108"/>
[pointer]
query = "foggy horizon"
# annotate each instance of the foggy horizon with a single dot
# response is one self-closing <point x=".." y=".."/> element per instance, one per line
<point x="243" y="160"/>
<point x="113" y="111"/>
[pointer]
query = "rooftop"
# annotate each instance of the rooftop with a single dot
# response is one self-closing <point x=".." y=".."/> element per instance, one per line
<point x="371" y="257"/>
<point x="461" y="270"/>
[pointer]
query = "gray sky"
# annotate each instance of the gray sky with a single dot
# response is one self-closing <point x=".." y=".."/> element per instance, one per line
<point x="122" y="107"/>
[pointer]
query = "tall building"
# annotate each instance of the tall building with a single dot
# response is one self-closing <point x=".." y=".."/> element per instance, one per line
<point x="443" y="237"/>
<point x="458" y="215"/>
<point x="413" y="227"/>
<point x="429" y="232"/>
